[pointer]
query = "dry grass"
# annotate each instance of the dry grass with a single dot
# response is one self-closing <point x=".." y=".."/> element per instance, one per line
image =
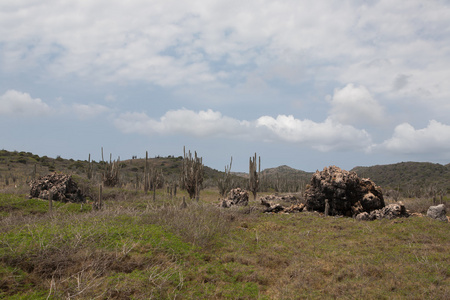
<point x="144" y="249"/>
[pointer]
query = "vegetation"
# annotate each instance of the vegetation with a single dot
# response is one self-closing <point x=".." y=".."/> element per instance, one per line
<point x="143" y="247"/>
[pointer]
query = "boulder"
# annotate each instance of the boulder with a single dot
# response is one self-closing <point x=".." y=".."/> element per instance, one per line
<point x="236" y="196"/>
<point x="60" y="186"/>
<point x="347" y="194"/>
<point x="437" y="212"/>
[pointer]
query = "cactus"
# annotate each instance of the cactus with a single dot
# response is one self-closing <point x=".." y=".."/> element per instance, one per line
<point x="111" y="172"/>
<point x="90" y="169"/>
<point x="192" y="174"/>
<point x="254" y="176"/>
<point x="226" y="182"/>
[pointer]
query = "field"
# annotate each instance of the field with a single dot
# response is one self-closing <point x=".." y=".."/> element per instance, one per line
<point x="136" y="248"/>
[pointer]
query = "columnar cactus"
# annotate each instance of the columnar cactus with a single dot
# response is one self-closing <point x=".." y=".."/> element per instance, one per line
<point x="192" y="174"/>
<point x="254" y="175"/>
<point x="225" y="183"/>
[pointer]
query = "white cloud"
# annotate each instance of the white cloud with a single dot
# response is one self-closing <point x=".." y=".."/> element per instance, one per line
<point x="18" y="104"/>
<point x="87" y="111"/>
<point x="325" y="136"/>
<point x="170" y="42"/>
<point x="355" y="105"/>
<point x="199" y="124"/>
<point x="435" y="138"/>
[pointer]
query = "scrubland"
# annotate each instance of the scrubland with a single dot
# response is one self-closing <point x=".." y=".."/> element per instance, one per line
<point x="138" y="248"/>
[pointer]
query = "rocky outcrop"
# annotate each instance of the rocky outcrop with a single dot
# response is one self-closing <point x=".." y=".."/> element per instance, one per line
<point x="391" y="211"/>
<point x="437" y="212"/>
<point x="59" y="186"/>
<point x="347" y="194"/>
<point x="236" y="196"/>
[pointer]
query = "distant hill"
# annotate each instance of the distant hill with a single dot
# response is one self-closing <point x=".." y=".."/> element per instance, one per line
<point x="410" y="178"/>
<point x="408" y="175"/>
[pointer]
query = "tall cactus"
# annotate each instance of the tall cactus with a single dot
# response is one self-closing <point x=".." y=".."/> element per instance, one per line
<point x="111" y="172"/>
<point x="192" y="174"/>
<point x="226" y="182"/>
<point x="254" y="175"/>
<point x="90" y="169"/>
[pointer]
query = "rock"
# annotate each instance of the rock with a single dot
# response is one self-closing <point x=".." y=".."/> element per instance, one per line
<point x="347" y="194"/>
<point x="60" y="186"/>
<point x="391" y="211"/>
<point x="437" y="212"/>
<point x="237" y="196"/>
<point x="270" y="202"/>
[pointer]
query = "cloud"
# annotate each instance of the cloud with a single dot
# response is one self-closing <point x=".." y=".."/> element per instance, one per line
<point x="18" y="104"/>
<point x="355" y="105"/>
<point x="88" y="111"/>
<point x="435" y="138"/>
<point x="400" y="81"/>
<point x="172" y="43"/>
<point x="325" y="136"/>
<point x="207" y="123"/>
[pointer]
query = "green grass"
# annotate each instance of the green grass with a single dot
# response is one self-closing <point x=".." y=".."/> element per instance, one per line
<point x="139" y="249"/>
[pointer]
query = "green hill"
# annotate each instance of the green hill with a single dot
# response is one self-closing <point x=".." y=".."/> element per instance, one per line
<point x="409" y="177"/>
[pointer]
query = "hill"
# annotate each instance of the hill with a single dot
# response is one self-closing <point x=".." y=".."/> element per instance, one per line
<point x="409" y="177"/>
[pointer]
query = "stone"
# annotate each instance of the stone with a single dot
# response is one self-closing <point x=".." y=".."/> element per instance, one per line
<point x="391" y="211"/>
<point x="437" y="212"/>
<point x="60" y="186"/>
<point x="348" y="195"/>
<point x="272" y="205"/>
<point x="236" y="196"/>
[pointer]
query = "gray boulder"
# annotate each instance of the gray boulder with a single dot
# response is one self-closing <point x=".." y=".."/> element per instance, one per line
<point x="437" y="212"/>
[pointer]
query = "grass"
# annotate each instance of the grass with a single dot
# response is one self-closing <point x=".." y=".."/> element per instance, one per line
<point x="140" y="249"/>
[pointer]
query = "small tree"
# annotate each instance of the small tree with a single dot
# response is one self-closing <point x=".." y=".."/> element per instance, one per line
<point x="254" y="175"/>
<point x="192" y="174"/>
<point x="225" y="183"/>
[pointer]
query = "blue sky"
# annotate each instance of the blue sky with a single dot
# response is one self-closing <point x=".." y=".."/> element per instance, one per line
<point x="303" y="83"/>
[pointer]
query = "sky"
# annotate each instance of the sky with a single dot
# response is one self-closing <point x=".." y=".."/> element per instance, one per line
<point x="306" y="84"/>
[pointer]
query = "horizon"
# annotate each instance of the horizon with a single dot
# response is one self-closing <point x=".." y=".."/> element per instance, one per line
<point x="307" y="85"/>
<point x="232" y="171"/>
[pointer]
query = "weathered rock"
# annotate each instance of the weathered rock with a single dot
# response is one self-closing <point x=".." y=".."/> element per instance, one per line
<point x="437" y="212"/>
<point x="347" y="194"/>
<point x="60" y="186"/>
<point x="237" y="196"/>
<point x="272" y="205"/>
<point x="391" y="211"/>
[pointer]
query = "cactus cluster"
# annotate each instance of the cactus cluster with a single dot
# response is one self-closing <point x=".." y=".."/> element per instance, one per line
<point x="192" y="174"/>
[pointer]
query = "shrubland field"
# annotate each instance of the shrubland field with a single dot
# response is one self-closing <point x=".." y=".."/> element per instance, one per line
<point x="139" y="248"/>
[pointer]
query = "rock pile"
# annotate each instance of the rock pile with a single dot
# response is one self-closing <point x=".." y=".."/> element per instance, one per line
<point x="347" y="194"/>
<point x="60" y="186"/>
<point x="391" y="211"/>
<point x="272" y="204"/>
<point x="237" y="196"/>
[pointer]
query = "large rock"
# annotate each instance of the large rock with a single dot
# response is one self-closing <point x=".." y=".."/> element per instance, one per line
<point x="437" y="212"/>
<point x="237" y="196"/>
<point x="60" y="186"/>
<point x="347" y="194"/>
